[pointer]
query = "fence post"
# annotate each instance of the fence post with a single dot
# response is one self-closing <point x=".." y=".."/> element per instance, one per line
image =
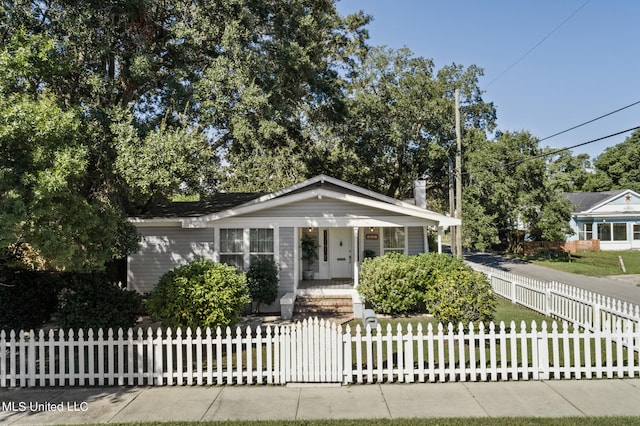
<point x="31" y="364"/>
<point x="596" y="317"/>
<point x="347" y="362"/>
<point x="543" y="352"/>
<point x="547" y="301"/>
<point x="408" y="351"/>
<point x="514" y="298"/>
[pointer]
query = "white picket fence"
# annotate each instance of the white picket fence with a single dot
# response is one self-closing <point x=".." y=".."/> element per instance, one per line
<point x="317" y="351"/>
<point x="587" y="309"/>
<point x="603" y="340"/>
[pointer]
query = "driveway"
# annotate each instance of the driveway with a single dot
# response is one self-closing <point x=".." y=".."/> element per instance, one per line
<point x="625" y="288"/>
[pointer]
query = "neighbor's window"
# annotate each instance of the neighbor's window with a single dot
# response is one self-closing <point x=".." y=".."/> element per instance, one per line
<point x="636" y="232"/>
<point x="586" y="233"/>
<point x="604" y="231"/>
<point x="619" y="231"/>
<point x="231" y="250"/>
<point x="393" y="240"/>
<point x="261" y="243"/>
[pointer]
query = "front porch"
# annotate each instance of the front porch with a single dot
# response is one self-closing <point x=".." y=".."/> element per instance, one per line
<point x="326" y="284"/>
<point x="330" y="257"/>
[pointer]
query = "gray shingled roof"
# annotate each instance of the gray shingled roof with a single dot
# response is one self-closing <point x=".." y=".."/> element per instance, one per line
<point x="586" y="200"/>
<point x="217" y="203"/>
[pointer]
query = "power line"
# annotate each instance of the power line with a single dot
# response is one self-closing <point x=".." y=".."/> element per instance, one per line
<point x="590" y="121"/>
<point x="538" y="44"/>
<point x="583" y="143"/>
<point x="547" y="154"/>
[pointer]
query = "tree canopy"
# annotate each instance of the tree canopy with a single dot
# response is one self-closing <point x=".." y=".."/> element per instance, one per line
<point x="507" y="189"/>
<point x="400" y="122"/>
<point x="617" y="167"/>
<point x="110" y="107"/>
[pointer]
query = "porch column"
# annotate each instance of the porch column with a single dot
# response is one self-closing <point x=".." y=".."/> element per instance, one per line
<point x="440" y="239"/>
<point x="425" y="235"/>
<point x="296" y="257"/>
<point x="216" y="244"/>
<point x="355" y="254"/>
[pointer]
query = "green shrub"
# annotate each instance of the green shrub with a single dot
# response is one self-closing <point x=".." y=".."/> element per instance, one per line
<point x="461" y="296"/>
<point x="27" y="298"/>
<point x="199" y="294"/>
<point x="423" y="269"/>
<point x="440" y="284"/>
<point x="262" y="280"/>
<point x="93" y="301"/>
<point x="386" y="285"/>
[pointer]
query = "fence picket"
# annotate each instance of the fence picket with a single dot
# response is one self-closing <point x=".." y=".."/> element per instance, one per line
<point x="441" y="363"/>
<point x="324" y="353"/>
<point x="408" y="352"/>
<point x="319" y="351"/>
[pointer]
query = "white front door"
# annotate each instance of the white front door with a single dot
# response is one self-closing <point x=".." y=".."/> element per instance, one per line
<point x="340" y="252"/>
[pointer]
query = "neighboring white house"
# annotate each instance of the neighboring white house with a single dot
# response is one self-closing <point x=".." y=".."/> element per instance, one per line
<point x="235" y="228"/>
<point x="613" y="217"/>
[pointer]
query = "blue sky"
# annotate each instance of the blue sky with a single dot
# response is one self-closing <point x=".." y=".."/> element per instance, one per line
<point x="586" y="68"/>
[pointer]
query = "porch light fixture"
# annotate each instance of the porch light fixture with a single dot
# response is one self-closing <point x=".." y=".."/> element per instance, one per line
<point x="371" y="229"/>
<point x="310" y="229"/>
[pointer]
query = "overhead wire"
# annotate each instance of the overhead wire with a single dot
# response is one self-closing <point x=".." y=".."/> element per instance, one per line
<point x="590" y="121"/>
<point x="546" y="154"/>
<point x="517" y="61"/>
<point x="550" y="153"/>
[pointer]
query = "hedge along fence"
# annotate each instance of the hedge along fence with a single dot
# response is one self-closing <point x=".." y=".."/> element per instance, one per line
<point x="442" y="285"/>
<point x="317" y="352"/>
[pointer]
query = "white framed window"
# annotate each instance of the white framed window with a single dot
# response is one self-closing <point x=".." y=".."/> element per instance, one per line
<point x="619" y="231"/>
<point x="261" y="244"/>
<point x="393" y="240"/>
<point x="616" y="231"/>
<point x="231" y="247"/>
<point x="636" y="231"/>
<point x="239" y="246"/>
<point x="586" y="233"/>
<point x="604" y="231"/>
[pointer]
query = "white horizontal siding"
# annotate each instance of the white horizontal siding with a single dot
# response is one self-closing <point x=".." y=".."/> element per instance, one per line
<point x="287" y="260"/>
<point x="321" y="208"/>
<point x="415" y="243"/>
<point x="163" y="249"/>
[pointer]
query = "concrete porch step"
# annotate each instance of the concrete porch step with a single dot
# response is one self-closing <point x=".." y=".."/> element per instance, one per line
<point x="327" y="301"/>
<point x="335" y="308"/>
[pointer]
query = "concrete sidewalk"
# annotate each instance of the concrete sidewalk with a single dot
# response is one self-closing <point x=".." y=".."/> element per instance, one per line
<point x="613" y="397"/>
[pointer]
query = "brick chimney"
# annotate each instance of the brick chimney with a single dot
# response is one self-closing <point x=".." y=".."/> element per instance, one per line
<point x="420" y="192"/>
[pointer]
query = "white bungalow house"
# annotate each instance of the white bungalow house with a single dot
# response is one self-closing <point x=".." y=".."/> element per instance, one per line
<point x="613" y="217"/>
<point x="344" y="219"/>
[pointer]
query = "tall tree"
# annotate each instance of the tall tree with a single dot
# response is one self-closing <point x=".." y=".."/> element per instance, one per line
<point x="617" y="167"/>
<point x="162" y="92"/>
<point x="46" y="219"/>
<point x="565" y="172"/>
<point x="401" y="118"/>
<point x="507" y="189"/>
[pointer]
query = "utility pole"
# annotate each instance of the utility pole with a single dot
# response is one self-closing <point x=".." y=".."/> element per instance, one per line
<point x="458" y="176"/>
<point x="452" y="205"/>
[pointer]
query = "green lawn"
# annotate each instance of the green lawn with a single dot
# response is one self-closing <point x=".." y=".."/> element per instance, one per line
<point x="506" y="311"/>
<point x="595" y="264"/>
